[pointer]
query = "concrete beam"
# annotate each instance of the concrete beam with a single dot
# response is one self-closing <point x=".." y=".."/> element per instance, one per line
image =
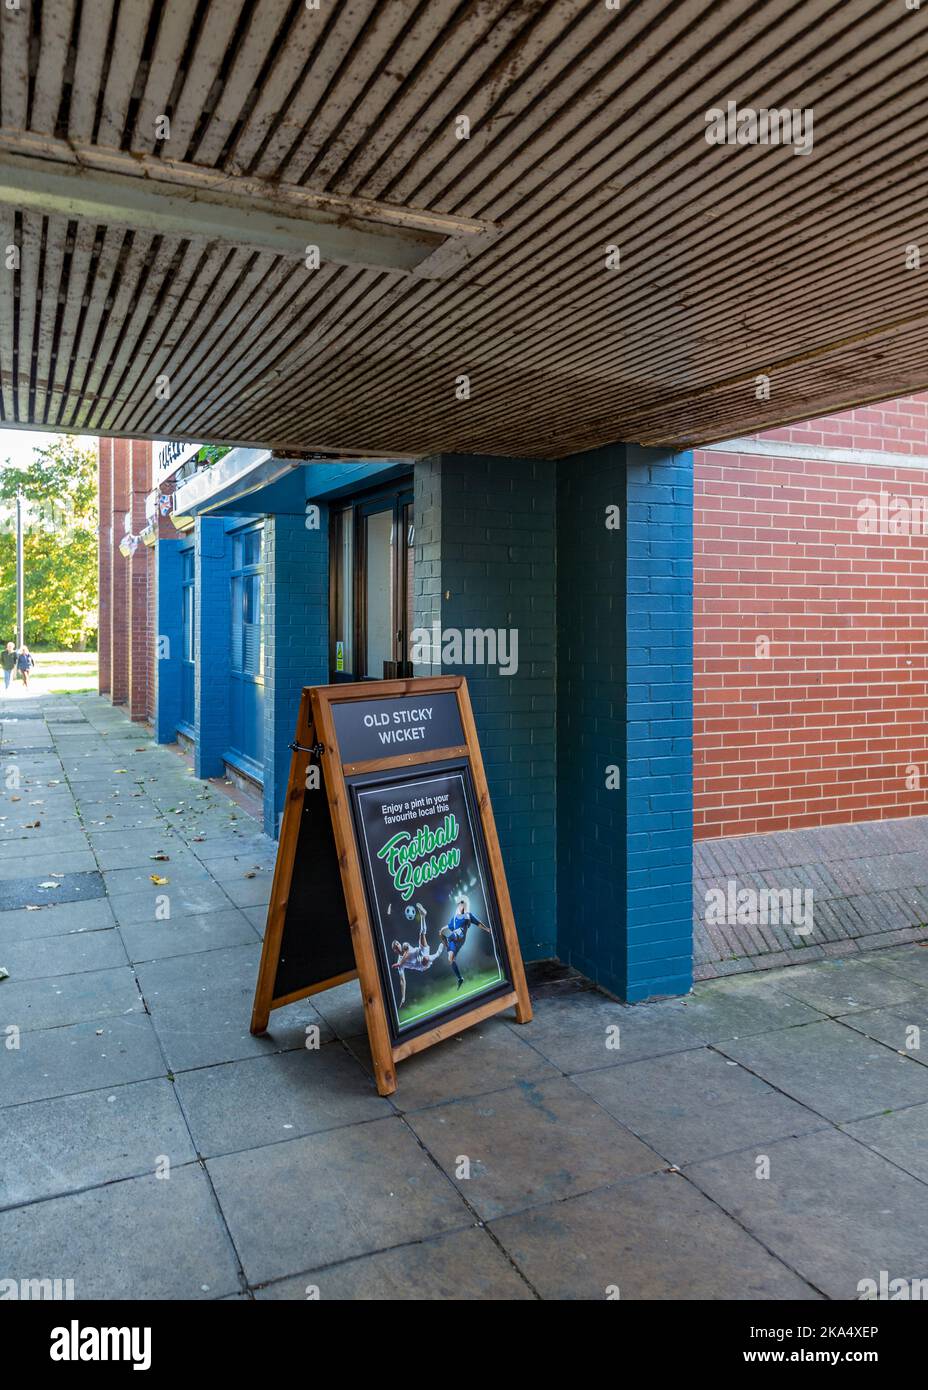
<point x="183" y="200"/>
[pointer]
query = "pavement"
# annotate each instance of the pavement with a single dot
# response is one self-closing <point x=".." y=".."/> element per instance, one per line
<point x="765" y="1138"/>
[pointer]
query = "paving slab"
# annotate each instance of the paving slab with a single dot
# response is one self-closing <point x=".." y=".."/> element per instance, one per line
<point x="265" y="1100"/>
<point x="95" y="820"/>
<point x="80" y="1057"/>
<point x="62" y="955"/>
<point x="257" y="916"/>
<point x="578" y="1032"/>
<point x="533" y="1143"/>
<point x="831" y="1209"/>
<point x="71" y="1142"/>
<point x="57" y="1000"/>
<point x="461" y="1267"/>
<point x="655" y="1237"/>
<point x="145" y="1238"/>
<point x="487" y="1058"/>
<point x="217" y="1030"/>
<point x="341" y="1007"/>
<point x="315" y="1201"/>
<point x="910" y="962"/>
<point x="177" y="979"/>
<point x="839" y="987"/>
<point x="179" y="936"/>
<point x="904" y="1028"/>
<point x="136" y="849"/>
<point x="901" y="1136"/>
<point x="249" y="892"/>
<point x="56" y="919"/>
<point x="69" y="887"/>
<point x="34" y="829"/>
<point x="65" y="842"/>
<point x="183" y="900"/>
<point x="832" y="1069"/>
<point x="201" y="1007"/>
<point x="692" y="1105"/>
<point x="739" y="1007"/>
<point x="181" y="874"/>
<point x="38" y="865"/>
<point x="233" y="868"/>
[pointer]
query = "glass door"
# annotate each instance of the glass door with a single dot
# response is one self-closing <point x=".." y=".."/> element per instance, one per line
<point x="378" y="532"/>
<point x="246" y="601"/>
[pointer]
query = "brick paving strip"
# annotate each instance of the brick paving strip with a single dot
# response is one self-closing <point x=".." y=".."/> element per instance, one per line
<point x="869" y="884"/>
<point x="151" y="1148"/>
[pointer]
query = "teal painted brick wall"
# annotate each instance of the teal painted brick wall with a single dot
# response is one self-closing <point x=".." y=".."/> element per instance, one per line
<point x="485" y="558"/>
<point x="296" y="595"/>
<point x="659" y="635"/>
<point x="211" y="643"/>
<point x="625" y="700"/>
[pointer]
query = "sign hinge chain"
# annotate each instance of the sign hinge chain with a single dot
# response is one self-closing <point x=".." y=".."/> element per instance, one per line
<point x="315" y="750"/>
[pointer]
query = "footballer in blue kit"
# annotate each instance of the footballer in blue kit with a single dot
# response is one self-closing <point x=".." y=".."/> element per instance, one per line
<point x="454" y="935"/>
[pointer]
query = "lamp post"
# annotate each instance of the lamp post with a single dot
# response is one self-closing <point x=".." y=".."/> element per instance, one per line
<point x="19" y="570"/>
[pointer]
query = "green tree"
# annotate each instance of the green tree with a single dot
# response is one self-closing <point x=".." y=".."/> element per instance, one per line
<point x="59" y="546"/>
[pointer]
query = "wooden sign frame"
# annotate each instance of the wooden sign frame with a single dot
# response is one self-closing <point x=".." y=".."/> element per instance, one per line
<point x="316" y="739"/>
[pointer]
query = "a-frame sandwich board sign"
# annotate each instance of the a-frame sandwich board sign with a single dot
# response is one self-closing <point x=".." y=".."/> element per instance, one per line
<point x="389" y="869"/>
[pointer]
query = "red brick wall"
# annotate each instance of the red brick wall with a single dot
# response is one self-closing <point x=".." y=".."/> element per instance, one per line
<point x="119" y="590"/>
<point x="104" y="561"/>
<point x="139" y="569"/>
<point x="900" y="426"/>
<point x="821" y="730"/>
<point x="127" y="596"/>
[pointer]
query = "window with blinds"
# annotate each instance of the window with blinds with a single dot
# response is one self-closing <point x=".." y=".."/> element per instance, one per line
<point x="247" y="603"/>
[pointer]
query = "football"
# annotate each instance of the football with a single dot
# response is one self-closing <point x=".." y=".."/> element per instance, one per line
<point x="411" y="913"/>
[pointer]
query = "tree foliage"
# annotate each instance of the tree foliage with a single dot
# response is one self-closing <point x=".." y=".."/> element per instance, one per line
<point x="59" y="546"/>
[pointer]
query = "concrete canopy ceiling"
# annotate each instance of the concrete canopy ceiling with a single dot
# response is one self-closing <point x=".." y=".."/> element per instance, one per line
<point x="154" y="258"/>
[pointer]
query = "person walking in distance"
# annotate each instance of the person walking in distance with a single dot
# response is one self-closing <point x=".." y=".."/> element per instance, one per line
<point x="8" y="662"/>
<point x="25" y="662"/>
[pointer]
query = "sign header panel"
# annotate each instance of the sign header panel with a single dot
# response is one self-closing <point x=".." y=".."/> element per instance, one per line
<point x="383" y="728"/>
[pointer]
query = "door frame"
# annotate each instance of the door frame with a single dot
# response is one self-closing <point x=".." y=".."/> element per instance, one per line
<point x="395" y="498"/>
<point x="238" y="757"/>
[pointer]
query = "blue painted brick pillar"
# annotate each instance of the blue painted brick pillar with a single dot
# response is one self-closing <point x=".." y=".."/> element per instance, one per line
<point x="624" y="689"/>
<point x="168" y="637"/>
<point x="485" y="558"/>
<point x="296" y="624"/>
<point x="212" y="563"/>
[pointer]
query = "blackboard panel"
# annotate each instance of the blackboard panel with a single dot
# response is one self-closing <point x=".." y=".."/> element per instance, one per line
<point x="316" y="943"/>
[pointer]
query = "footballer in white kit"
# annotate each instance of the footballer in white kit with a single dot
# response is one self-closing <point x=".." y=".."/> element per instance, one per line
<point x="414" y="957"/>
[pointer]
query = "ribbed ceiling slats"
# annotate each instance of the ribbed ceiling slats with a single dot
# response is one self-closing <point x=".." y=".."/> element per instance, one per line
<point x="587" y="128"/>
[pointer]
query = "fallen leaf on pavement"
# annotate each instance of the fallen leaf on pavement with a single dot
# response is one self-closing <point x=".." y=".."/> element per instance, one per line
<point x="156" y="878"/>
